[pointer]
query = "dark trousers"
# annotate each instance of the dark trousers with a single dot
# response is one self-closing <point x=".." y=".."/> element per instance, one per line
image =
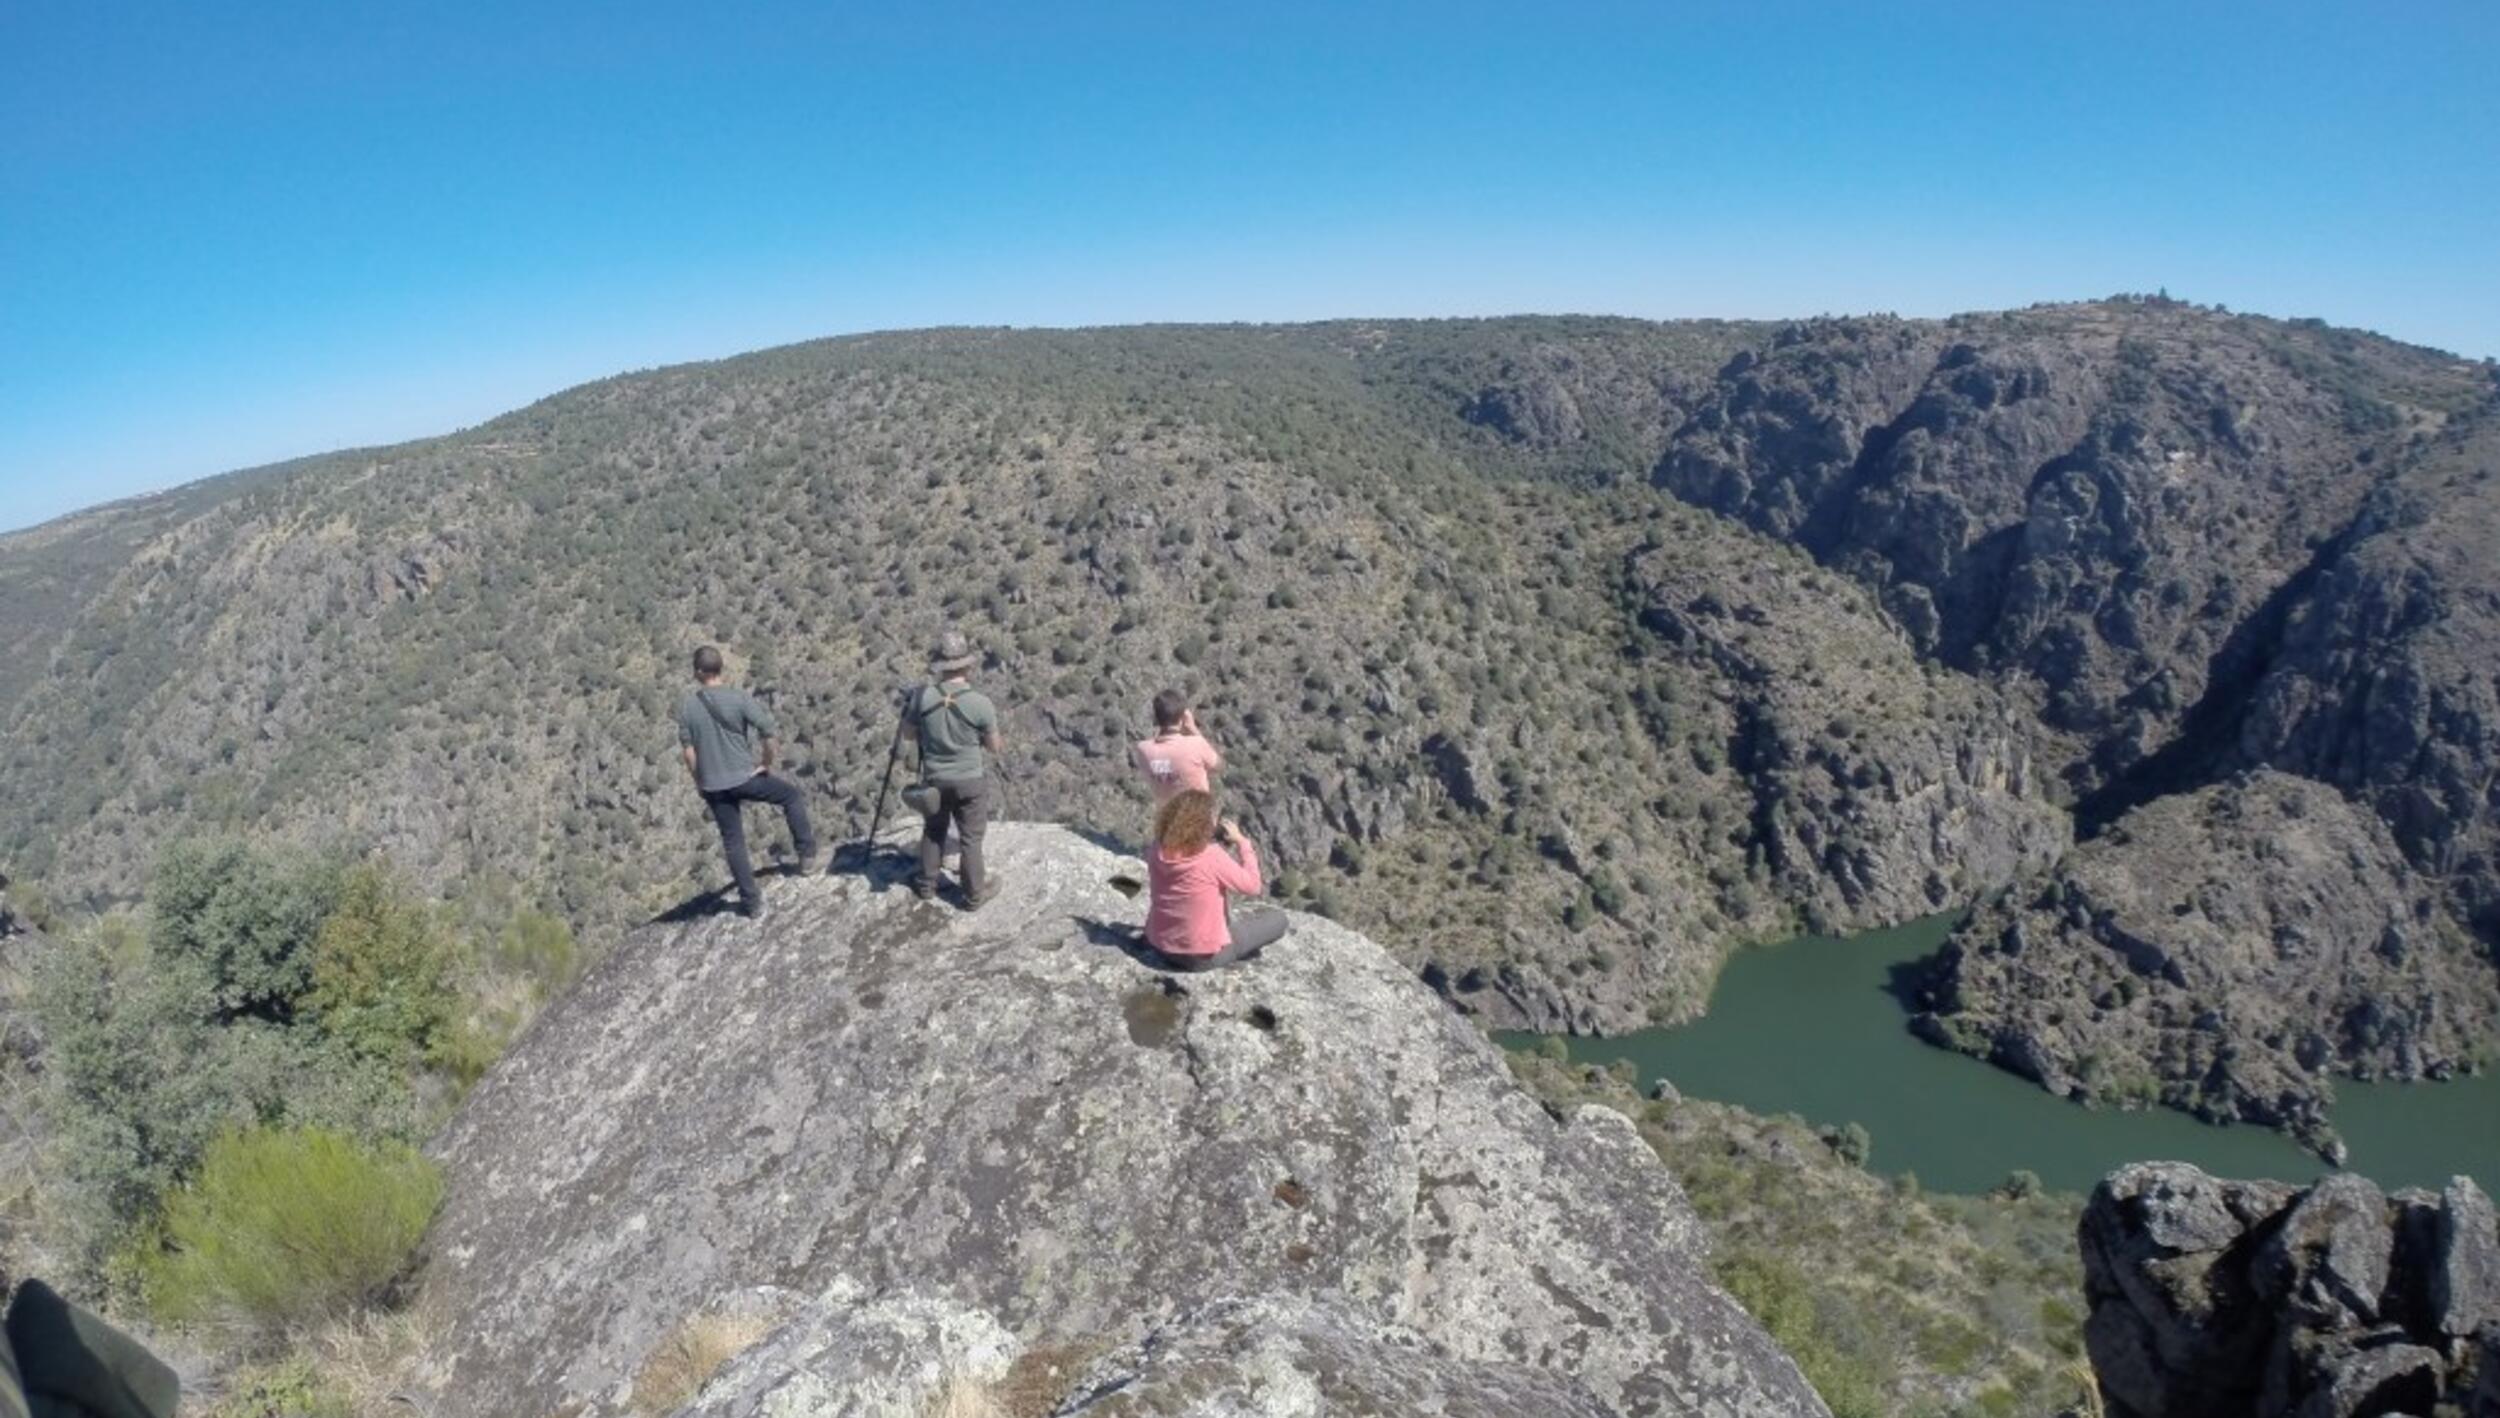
<point x="966" y="807"/>
<point x="728" y="810"/>
<point x="1253" y="931"/>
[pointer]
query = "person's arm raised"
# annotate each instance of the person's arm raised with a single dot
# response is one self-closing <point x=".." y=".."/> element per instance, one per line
<point x="1189" y="725"/>
<point x="1240" y="874"/>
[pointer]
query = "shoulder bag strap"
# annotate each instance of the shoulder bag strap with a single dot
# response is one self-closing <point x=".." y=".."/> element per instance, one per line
<point x="714" y="710"/>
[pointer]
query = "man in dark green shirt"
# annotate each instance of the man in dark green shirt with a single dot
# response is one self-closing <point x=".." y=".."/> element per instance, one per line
<point x="713" y="721"/>
<point x="957" y="730"/>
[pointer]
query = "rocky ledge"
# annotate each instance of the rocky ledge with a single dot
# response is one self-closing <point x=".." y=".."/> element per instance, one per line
<point x="2213" y="1299"/>
<point x="1304" y="1177"/>
<point x="2227" y="951"/>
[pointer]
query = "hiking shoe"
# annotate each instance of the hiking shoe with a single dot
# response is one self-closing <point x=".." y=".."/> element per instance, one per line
<point x="806" y="864"/>
<point x="922" y="891"/>
<point x="755" y="912"/>
<point x="975" y="900"/>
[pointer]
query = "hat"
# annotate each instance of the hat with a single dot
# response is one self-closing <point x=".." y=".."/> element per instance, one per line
<point x="952" y="653"/>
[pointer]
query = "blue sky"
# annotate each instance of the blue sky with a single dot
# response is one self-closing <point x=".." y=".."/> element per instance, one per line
<point x="238" y="232"/>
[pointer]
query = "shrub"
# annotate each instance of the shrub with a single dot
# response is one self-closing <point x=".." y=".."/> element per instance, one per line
<point x="283" y="1227"/>
<point x="1777" y="1294"/>
<point x="247" y="916"/>
<point x="133" y="1080"/>
<point x="1853" y="1144"/>
<point x="382" y="972"/>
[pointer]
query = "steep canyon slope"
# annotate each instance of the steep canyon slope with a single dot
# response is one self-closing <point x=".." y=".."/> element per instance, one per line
<point x="1571" y="651"/>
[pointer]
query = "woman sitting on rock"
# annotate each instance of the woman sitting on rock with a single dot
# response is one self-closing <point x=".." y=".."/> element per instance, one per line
<point x="1189" y="868"/>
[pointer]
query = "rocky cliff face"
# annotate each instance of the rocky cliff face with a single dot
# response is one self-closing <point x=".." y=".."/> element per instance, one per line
<point x="2384" y="682"/>
<point x="1002" y="1126"/>
<point x="2214" y="1299"/>
<point x="2193" y="552"/>
<point x="2228" y="951"/>
<point x="1881" y="788"/>
<point x="2094" y="501"/>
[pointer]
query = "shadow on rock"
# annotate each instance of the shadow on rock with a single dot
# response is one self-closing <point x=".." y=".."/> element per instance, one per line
<point x="1127" y="939"/>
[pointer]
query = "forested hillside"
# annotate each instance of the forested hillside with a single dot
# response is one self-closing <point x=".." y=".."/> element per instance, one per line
<point x="1563" y="654"/>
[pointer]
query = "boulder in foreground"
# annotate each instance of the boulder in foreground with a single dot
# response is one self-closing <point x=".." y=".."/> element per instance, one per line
<point x="2213" y="1298"/>
<point x="1310" y="1165"/>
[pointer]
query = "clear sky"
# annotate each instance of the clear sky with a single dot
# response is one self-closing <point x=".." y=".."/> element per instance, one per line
<point x="239" y="231"/>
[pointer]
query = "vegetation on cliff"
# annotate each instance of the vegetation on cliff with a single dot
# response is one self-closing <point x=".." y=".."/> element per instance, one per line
<point x="1897" y="1303"/>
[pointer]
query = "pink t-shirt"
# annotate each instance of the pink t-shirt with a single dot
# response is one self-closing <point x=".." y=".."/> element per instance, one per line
<point x="1185" y="897"/>
<point x="1176" y="762"/>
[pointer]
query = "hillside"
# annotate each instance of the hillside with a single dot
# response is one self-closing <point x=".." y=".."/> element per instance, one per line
<point x="1572" y="651"/>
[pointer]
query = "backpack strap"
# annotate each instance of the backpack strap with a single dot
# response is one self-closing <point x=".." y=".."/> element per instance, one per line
<point x="714" y="710"/>
<point x="945" y="701"/>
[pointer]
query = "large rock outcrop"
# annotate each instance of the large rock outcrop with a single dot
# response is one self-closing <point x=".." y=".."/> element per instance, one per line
<point x="848" y="1355"/>
<point x="2216" y="1299"/>
<point x="1005" y="1113"/>
<point x="2384" y="682"/>
<point x="2227" y="951"/>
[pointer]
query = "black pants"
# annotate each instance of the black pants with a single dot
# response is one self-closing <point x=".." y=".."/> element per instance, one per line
<point x="1253" y="931"/>
<point x="728" y="809"/>
<point x="966" y="806"/>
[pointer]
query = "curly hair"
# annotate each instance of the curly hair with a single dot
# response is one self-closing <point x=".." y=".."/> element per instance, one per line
<point x="1185" y="824"/>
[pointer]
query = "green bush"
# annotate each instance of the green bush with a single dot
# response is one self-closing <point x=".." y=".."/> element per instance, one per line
<point x="247" y="916"/>
<point x="133" y="1079"/>
<point x="1777" y="1294"/>
<point x="382" y="972"/>
<point x="1853" y="1144"/>
<point x="283" y="1227"/>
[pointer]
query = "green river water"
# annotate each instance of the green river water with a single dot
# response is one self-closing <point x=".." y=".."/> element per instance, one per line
<point x="1810" y="1028"/>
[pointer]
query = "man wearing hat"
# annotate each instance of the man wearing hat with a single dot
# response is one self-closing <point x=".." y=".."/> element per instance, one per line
<point x="958" y="729"/>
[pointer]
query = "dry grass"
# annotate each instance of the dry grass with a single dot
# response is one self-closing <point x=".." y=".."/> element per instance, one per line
<point x="2088" y="1390"/>
<point x="359" y="1367"/>
<point x="962" y="1397"/>
<point x="679" y="1366"/>
<point x="369" y="1359"/>
<point x="1032" y="1387"/>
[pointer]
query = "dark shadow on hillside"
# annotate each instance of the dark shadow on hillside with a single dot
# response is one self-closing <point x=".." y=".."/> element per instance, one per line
<point x="2206" y="747"/>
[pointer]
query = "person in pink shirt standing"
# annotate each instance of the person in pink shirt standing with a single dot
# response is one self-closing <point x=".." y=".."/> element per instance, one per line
<point x="1190" y="866"/>
<point x="1178" y="758"/>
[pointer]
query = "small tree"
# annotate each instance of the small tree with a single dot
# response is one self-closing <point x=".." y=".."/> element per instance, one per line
<point x="382" y="972"/>
<point x="245" y="915"/>
<point x="1853" y="1144"/>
